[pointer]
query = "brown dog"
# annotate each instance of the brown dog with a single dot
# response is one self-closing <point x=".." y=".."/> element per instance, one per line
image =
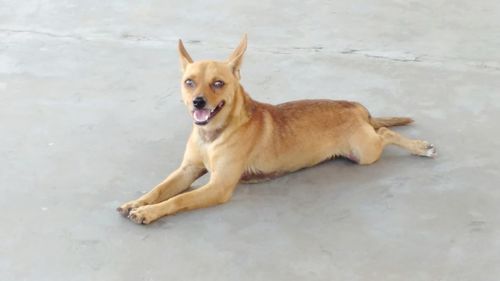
<point x="238" y="139"/>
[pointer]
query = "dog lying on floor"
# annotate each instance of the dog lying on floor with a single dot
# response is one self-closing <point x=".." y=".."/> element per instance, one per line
<point x="238" y="139"/>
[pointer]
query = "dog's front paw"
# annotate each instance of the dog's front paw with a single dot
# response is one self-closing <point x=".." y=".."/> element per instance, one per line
<point x="142" y="215"/>
<point x="125" y="209"/>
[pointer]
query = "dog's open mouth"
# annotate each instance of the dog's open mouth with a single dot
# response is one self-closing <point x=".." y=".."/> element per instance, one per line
<point x="202" y="116"/>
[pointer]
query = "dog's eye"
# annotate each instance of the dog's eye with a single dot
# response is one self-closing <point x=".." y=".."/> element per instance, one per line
<point x="218" y="84"/>
<point x="189" y="83"/>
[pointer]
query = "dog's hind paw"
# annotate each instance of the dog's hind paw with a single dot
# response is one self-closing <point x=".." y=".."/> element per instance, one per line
<point x="425" y="149"/>
<point x="431" y="151"/>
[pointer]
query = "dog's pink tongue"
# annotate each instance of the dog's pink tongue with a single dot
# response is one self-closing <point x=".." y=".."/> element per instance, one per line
<point x="201" y="115"/>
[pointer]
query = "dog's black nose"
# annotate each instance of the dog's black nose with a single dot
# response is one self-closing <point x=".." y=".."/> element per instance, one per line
<point x="199" y="102"/>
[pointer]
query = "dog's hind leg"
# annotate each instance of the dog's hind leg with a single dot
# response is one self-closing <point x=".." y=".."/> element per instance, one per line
<point x="416" y="147"/>
<point x="367" y="144"/>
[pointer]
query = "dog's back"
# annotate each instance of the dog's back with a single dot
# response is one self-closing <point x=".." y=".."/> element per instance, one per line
<point x="300" y="134"/>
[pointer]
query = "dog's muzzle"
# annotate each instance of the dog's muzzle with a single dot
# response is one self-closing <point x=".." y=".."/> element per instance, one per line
<point x="199" y="102"/>
<point x="202" y="115"/>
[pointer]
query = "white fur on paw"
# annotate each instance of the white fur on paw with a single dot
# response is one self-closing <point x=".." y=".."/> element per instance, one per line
<point x="431" y="151"/>
<point x="141" y="215"/>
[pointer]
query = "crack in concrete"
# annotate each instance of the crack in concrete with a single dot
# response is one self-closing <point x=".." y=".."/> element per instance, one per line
<point x="416" y="59"/>
<point x="485" y="66"/>
<point x="393" y="56"/>
<point x="44" y="33"/>
<point x="311" y="48"/>
<point x="405" y="57"/>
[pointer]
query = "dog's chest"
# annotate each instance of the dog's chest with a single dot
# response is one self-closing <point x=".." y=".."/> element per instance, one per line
<point x="207" y="137"/>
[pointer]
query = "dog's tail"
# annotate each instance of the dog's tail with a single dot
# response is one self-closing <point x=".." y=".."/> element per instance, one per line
<point x="390" y="121"/>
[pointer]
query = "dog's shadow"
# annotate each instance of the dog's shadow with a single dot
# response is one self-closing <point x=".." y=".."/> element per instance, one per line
<point x="305" y="191"/>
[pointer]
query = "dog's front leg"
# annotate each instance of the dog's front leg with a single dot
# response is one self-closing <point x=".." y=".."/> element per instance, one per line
<point x="218" y="190"/>
<point x="192" y="168"/>
<point x="180" y="180"/>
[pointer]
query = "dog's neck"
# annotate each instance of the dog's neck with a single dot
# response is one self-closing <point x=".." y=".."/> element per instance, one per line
<point x="240" y="114"/>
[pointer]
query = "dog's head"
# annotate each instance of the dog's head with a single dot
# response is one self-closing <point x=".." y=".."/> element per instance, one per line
<point x="209" y="87"/>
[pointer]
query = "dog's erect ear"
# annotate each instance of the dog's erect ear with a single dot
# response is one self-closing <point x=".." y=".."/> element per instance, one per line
<point x="184" y="56"/>
<point x="236" y="57"/>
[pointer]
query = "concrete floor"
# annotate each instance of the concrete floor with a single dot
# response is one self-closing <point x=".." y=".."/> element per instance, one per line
<point x="90" y="117"/>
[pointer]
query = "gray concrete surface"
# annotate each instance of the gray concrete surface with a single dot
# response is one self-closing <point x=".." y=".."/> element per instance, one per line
<point x="90" y="117"/>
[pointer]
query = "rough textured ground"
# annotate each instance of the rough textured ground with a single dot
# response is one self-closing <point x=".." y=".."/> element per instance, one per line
<point x="90" y="117"/>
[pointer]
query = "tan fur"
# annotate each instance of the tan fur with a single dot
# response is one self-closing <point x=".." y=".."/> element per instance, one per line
<point x="251" y="141"/>
<point x="391" y="121"/>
